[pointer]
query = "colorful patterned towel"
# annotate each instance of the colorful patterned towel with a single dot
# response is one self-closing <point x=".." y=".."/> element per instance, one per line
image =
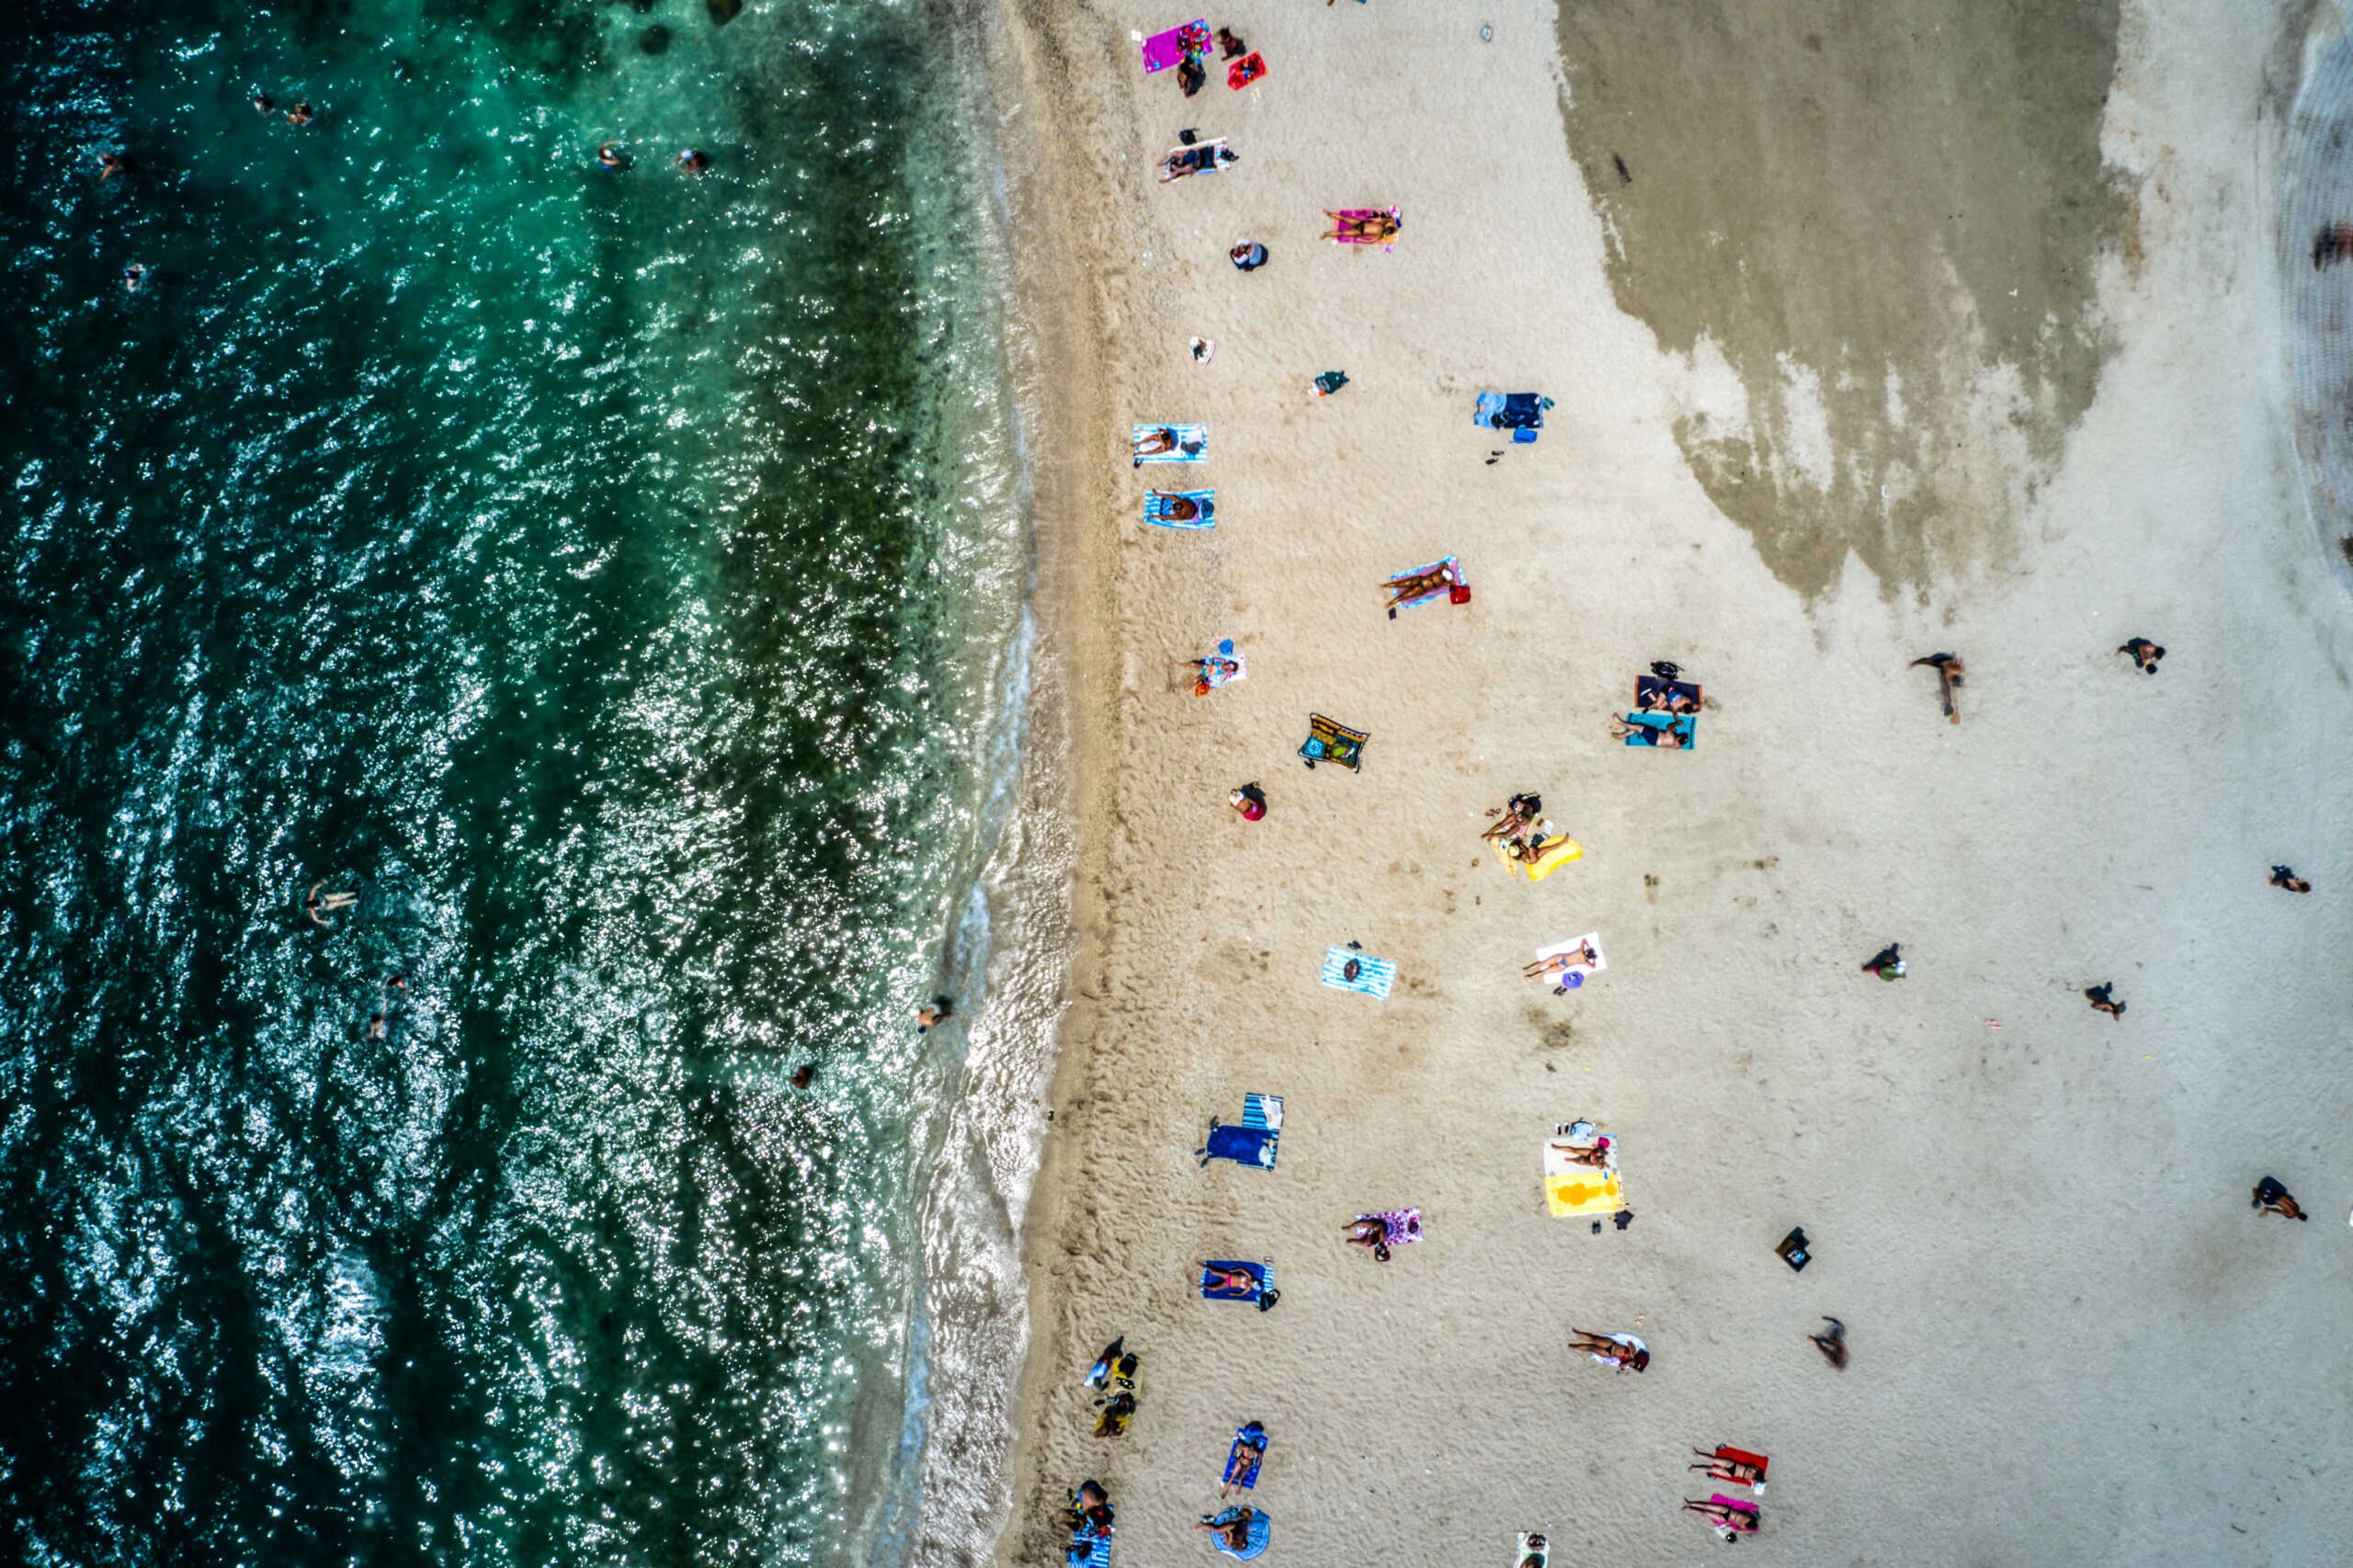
<point x="1404" y="1226"/>
<point x="1453" y="570"/>
<point x="1328" y="739"/>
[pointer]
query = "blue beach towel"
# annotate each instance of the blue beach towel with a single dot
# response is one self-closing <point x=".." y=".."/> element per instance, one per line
<point x="1090" y="1551"/>
<point x="1647" y="726"/>
<point x="1192" y="444"/>
<point x="1157" y="510"/>
<point x="1262" y="1288"/>
<point x="1253" y="1142"/>
<point x="1254" y="1533"/>
<point x="1374" y="976"/>
<point x="1522" y="414"/>
<point x="1249" y="1452"/>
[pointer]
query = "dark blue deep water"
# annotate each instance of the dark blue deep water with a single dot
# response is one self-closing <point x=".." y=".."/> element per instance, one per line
<point x="600" y="575"/>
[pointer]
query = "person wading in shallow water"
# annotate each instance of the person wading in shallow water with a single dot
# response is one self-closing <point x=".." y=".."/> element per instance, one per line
<point x="938" y="1010"/>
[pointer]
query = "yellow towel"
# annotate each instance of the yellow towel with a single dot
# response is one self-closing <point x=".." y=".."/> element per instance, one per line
<point x="1587" y="1192"/>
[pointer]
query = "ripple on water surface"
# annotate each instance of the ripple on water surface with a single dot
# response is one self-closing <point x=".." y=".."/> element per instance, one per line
<point x="575" y="564"/>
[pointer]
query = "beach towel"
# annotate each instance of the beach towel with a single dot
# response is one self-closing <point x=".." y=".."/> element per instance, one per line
<point x="1742" y="1455"/>
<point x="1552" y="854"/>
<point x="1404" y="1226"/>
<point x="1262" y="1288"/>
<point x="1522" y="414"/>
<point x="1453" y="579"/>
<point x="1249" y="1451"/>
<point x="1735" y="1504"/>
<point x="1246" y="70"/>
<point x="1571" y="979"/>
<point x="1331" y="741"/>
<point x="1650" y="690"/>
<point x="1243" y="1145"/>
<point x="1359" y="214"/>
<point x="1090" y="1551"/>
<point x="1374" y="976"/>
<point x="1631" y="1343"/>
<point x="1162" y="50"/>
<point x="1535" y="1550"/>
<point x="1210" y="157"/>
<point x="1157" y="510"/>
<point x="1647" y="726"/>
<point x="1326" y="382"/>
<point x="1192" y="444"/>
<point x="1210" y="674"/>
<point x="1572" y="1189"/>
<point x="1254" y="1533"/>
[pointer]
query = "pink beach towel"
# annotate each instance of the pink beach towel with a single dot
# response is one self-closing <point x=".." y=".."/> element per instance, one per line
<point x="1162" y="50"/>
<point x="1737" y="1507"/>
<point x="1359" y="214"/>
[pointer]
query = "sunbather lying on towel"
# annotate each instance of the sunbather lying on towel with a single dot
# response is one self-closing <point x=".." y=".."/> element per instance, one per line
<point x="1739" y="1471"/>
<point x="1413" y="585"/>
<point x="1666" y="739"/>
<point x="1371" y="1233"/>
<point x="1582" y="956"/>
<point x="1152" y="443"/>
<point x="1660" y="697"/>
<point x="1514" y="818"/>
<point x="1373" y="228"/>
<point x="1593" y="1154"/>
<point x="1207" y="158"/>
<point x="1724" y="1516"/>
<point x="1237" y="1280"/>
<point x="1176" y="509"/>
<point x="1624" y="1352"/>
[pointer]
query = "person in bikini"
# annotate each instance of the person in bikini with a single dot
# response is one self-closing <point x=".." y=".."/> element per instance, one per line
<point x="1740" y="1472"/>
<point x="1228" y="1279"/>
<point x="1665" y="737"/>
<point x="1722" y="1515"/>
<point x="1602" y="1348"/>
<point x="1595" y="1154"/>
<point x="2283" y="877"/>
<point x="1413" y="585"/>
<point x="1582" y="956"/>
<point x="1371" y="1233"/>
<point x="1152" y="443"/>
<point x="1373" y="228"/>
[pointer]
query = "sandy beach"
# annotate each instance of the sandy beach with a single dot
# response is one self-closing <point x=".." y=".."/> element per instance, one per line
<point x="2014" y="386"/>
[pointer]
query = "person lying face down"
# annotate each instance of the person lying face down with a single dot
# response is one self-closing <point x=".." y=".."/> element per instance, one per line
<point x="1228" y="1279"/>
<point x="1722" y="1516"/>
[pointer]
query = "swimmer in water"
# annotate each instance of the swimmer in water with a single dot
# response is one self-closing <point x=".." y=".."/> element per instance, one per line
<point x="264" y="103"/>
<point x="694" y="161"/>
<point x="134" y="277"/>
<point x="318" y="908"/>
<point x="300" y="113"/>
<point x="938" y="1010"/>
<point x="610" y="154"/>
<point x="378" y="1027"/>
<point x="112" y="164"/>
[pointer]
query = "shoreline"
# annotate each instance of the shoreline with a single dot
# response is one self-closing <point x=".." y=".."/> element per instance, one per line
<point x="1757" y="1082"/>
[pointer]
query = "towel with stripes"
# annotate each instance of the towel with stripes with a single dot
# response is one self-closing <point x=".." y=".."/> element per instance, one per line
<point x="1372" y="975"/>
<point x="1180" y="509"/>
<point x="1170" y="444"/>
<point x="1090" y="1551"/>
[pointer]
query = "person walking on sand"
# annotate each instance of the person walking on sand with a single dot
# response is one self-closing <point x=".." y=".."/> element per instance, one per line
<point x="1887" y="964"/>
<point x="2103" y="999"/>
<point x="2282" y="877"/>
<point x="2144" y="653"/>
<point x="2270" y="1197"/>
<point x="1949" y="670"/>
<point x="1833" y="1345"/>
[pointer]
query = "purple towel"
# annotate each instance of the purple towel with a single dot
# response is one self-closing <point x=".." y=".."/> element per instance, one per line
<point x="1162" y="50"/>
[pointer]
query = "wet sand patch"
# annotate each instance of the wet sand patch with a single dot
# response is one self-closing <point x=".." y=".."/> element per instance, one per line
<point x="1873" y="231"/>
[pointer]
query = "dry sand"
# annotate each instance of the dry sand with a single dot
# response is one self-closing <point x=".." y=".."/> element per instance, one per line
<point x="2073" y="1342"/>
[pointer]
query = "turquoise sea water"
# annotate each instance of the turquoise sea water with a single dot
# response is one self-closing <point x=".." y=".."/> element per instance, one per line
<point x="608" y="576"/>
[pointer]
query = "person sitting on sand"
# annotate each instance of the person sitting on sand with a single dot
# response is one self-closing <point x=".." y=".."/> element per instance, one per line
<point x="1625" y="1357"/>
<point x="1229" y="46"/>
<point x="1722" y="1514"/>
<point x="1887" y="964"/>
<point x="1833" y="1345"/>
<point x="2144" y="653"/>
<point x="1089" y="1515"/>
<point x="1176" y="509"/>
<point x="1373" y="228"/>
<point x="1582" y="956"/>
<point x="1740" y="1472"/>
<point x="1514" y="818"/>
<point x="1228" y="1279"/>
<point x="1247" y="256"/>
<point x="1950" y="671"/>
<point x="1413" y="585"/>
<point x="1371" y="1233"/>
<point x="2103" y="999"/>
<point x="2270" y="1197"/>
<point x="2282" y="877"/>
<point x="1250" y="800"/>
<point x="1239" y="1531"/>
<point x="1665" y="737"/>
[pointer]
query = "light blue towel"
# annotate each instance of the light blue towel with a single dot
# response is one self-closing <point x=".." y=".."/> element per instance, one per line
<point x="1156" y="509"/>
<point x="1374" y="976"/>
<point x="1254" y="1533"/>
<point x="1192" y="444"/>
<point x="1095" y="1553"/>
<point x="1263" y="1110"/>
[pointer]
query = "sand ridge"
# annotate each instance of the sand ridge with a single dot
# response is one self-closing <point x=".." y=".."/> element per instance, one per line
<point x="2071" y="1342"/>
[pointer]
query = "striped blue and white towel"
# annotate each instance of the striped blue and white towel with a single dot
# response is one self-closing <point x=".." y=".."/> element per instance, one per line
<point x="1192" y="444"/>
<point x="1161" y="508"/>
<point x="1374" y="976"/>
<point x="1263" y="1110"/>
<point x="1095" y="1553"/>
